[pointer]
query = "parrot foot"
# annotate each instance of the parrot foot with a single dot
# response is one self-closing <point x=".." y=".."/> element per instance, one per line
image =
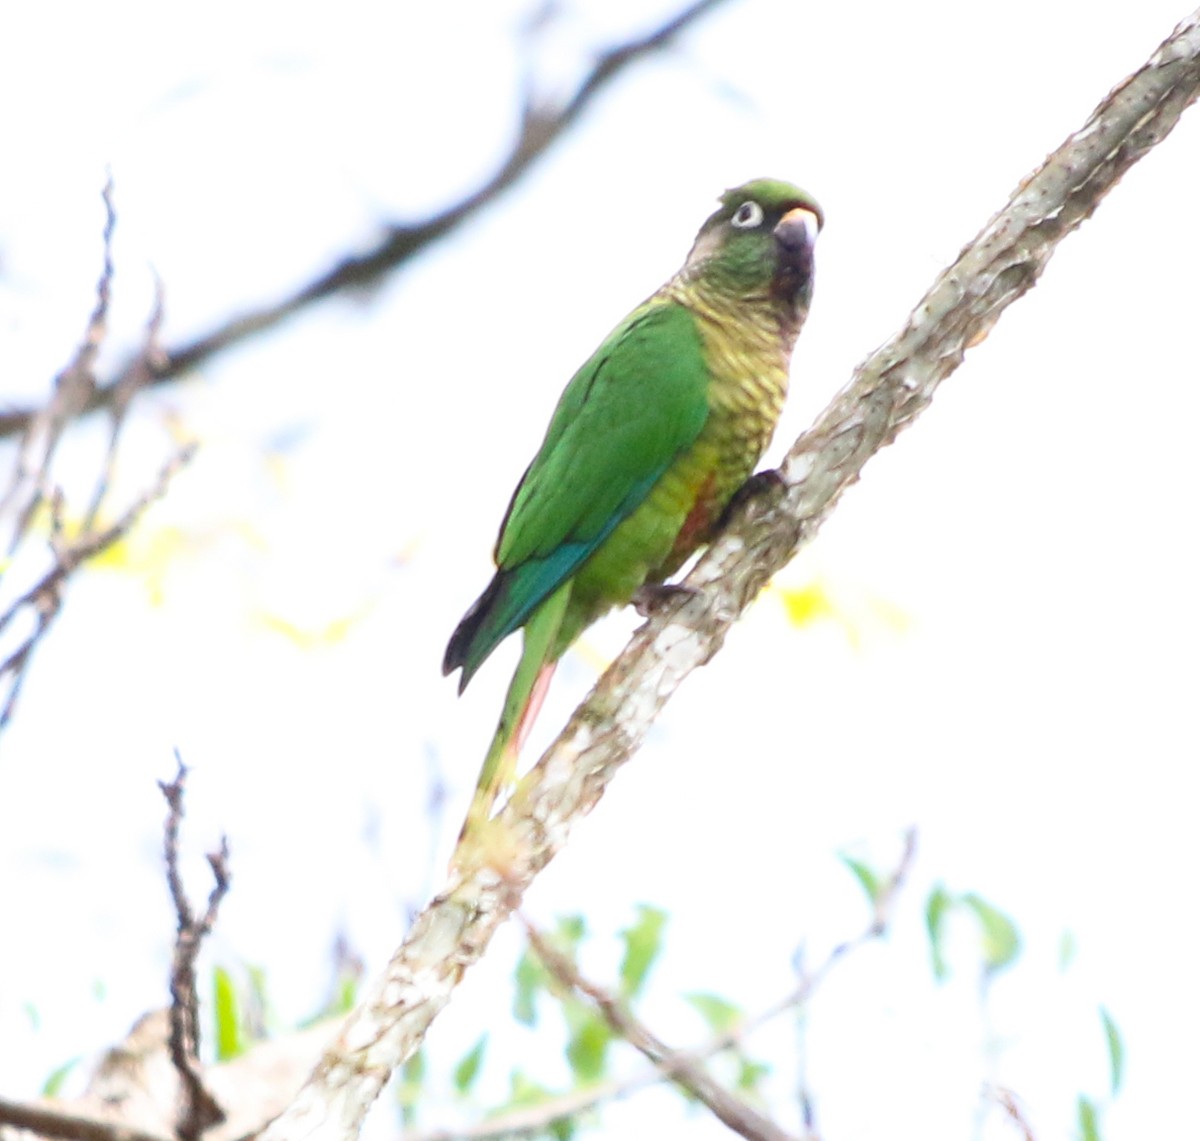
<point x="651" y="597"/>
<point x="769" y="479"/>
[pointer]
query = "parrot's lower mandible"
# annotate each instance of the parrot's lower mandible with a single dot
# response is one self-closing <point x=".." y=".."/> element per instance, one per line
<point x="650" y="440"/>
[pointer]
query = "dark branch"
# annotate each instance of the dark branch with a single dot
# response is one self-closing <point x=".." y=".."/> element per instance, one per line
<point x="541" y="127"/>
<point x="50" y="1123"/>
<point x="45" y="598"/>
<point x="74" y="387"/>
<point x="199" y="1110"/>
<point x="33" y="490"/>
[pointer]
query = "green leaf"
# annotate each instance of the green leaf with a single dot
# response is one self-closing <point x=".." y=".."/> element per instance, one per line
<point x="523" y="1090"/>
<point x="1067" y="949"/>
<point x="227" y="1016"/>
<point x="409" y="1088"/>
<point x="414" y="1068"/>
<point x="345" y="994"/>
<point x="870" y="880"/>
<point x="1001" y="940"/>
<point x="643" y="942"/>
<point x="467" y="1070"/>
<point x="750" y="1074"/>
<point x="53" y="1085"/>
<point x="936" y="908"/>
<point x="587" y="1048"/>
<point x="569" y="933"/>
<point x="254" y="1012"/>
<point x="528" y="979"/>
<point x="1089" y="1120"/>
<point x="1116" y="1050"/>
<point x="720" y="1014"/>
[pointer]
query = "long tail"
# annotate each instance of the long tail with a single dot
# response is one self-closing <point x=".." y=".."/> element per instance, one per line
<point x="525" y="694"/>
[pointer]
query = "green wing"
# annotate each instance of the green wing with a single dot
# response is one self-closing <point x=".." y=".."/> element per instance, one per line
<point x="628" y="412"/>
<point x="640" y="400"/>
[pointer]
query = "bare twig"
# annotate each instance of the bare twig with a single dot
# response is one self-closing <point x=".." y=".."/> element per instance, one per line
<point x="73" y="389"/>
<point x="882" y="904"/>
<point x="886" y="393"/>
<point x="683" y="1069"/>
<point x="44" y="598"/>
<point x="1007" y="1101"/>
<point x="47" y="1122"/>
<point x="131" y="381"/>
<point x="32" y="486"/>
<point x="541" y="127"/>
<point x="199" y="1110"/>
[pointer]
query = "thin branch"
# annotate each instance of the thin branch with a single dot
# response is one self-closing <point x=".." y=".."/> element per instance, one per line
<point x="67" y="1127"/>
<point x="886" y="393"/>
<point x="684" y="1070"/>
<point x="45" y="598"/>
<point x="537" y="1118"/>
<point x="541" y="127"/>
<point x="135" y="377"/>
<point x="199" y="1110"/>
<point x="74" y="387"/>
<point x="32" y="487"/>
<point x="1007" y="1101"/>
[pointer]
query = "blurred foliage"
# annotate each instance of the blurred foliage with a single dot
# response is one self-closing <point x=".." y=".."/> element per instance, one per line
<point x="52" y="1086"/>
<point x="1000" y="941"/>
<point x="869" y="879"/>
<point x="227" y="1016"/>
<point x="314" y="636"/>
<point x="1089" y="1120"/>
<point x="1116" y="1051"/>
<point x="857" y="612"/>
<point x="590" y="1057"/>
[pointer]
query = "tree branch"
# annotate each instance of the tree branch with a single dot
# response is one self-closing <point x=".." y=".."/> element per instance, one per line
<point x="541" y="127"/>
<point x="32" y="488"/>
<point x="44" y="599"/>
<point x="686" y="1071"/>
<point x="537" y="1118"/>
<point x="199" y="1109"/>
<point x="886" y="393"/>
<point x="46" y="1122"/>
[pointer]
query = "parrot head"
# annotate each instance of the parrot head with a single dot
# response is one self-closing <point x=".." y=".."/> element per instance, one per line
<point x="760" y="242"/>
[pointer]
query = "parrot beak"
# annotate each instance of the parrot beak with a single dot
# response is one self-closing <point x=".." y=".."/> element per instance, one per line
<point x="797" y="231"/>
<point x="796" y="239"/>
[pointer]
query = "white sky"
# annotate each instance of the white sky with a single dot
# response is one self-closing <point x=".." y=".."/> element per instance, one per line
<point x="1035" y="718"/>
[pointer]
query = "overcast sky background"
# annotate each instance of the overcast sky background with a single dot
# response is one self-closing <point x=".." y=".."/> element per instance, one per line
<point x="1032" y="710"/>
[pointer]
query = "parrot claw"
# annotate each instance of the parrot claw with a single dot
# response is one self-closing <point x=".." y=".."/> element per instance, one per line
<point x="650" y="597"/>
<point x="769" y="479"/>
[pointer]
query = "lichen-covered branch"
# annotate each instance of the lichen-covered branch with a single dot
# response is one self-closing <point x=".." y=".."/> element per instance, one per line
<point x="887" y="391"/>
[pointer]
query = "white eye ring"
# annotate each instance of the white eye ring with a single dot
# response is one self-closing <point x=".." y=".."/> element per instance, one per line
<point x="747" y="216"/>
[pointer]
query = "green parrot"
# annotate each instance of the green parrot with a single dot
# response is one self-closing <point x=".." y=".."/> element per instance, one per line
<point x="650" y="440"/>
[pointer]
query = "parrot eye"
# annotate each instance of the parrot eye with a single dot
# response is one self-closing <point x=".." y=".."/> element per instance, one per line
<point x="748" y="215"/>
